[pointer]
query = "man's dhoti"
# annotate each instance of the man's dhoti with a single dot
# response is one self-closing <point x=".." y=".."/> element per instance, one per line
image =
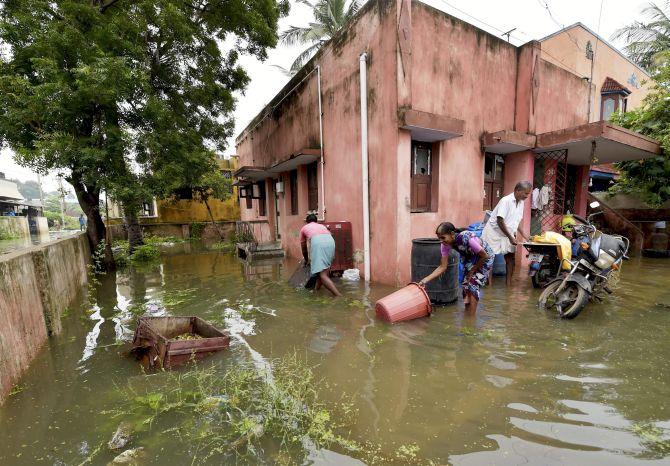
<point x="499" y="242"/>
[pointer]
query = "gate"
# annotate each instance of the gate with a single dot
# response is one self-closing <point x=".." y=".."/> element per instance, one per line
<point x="550" y="174"/>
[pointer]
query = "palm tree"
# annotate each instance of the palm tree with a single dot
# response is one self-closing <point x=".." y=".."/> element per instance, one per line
<point x="329" y="17"/>
<point x="647" y="40"/>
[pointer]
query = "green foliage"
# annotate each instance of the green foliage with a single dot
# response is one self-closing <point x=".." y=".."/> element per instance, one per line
<point x="196" y="230"/>
<point x="229" y="414"/>
<point x="329" y="17"/>
<point x="129" y="97"/>
<point x="156" y="240"/>
<point x="224" y="246"/>
<point x="145" y="253"/>
<point x="649" y="178"/>
<point x="653" y="438"/>
<point x="647" y="40"/>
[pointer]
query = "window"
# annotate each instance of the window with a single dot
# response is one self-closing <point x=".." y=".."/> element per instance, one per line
<point x="293" y="182"/>
<point x="494" y="180"/>
<point x="609" y="105"/>
<point x="424" y="163"/>
<point x="148" y="209"/>
<point x="312" y="186"/>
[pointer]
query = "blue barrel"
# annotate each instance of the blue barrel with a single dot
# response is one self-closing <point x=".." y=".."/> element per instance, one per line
<point x="426" y="257"/>
<point x="499" y="267"/>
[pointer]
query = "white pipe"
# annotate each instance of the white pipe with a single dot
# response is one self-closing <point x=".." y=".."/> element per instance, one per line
<point x="323" y="186"/>
<point x="364" y="165"/>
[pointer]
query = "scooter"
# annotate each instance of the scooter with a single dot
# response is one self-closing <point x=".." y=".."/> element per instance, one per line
<point x="598" y="256"/>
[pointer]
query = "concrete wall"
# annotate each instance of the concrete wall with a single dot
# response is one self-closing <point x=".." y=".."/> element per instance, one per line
<point x="567" y="49"/>
<point x="36" y="285"/>
<point x="14" y="227"/>
<point x="178" y="230"/>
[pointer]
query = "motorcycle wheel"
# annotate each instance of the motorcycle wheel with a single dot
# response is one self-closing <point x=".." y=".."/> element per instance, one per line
<point x="542" y="277"/>
<point x="568" y="303"/>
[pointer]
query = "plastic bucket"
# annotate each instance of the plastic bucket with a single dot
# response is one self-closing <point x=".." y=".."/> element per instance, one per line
<point x="411" y="302"/>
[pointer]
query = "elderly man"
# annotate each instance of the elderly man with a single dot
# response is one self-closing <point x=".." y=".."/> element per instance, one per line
<point x="500" y="231"/>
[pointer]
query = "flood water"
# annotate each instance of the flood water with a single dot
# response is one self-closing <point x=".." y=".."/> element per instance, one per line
<point x="509" y="386"/>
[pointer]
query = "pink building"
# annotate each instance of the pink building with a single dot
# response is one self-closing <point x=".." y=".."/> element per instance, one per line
<point x="450" y="119"/>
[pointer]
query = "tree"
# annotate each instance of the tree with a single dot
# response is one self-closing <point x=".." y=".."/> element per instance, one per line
<point x="646" y="40"/>
<point x="329" y="17"/>
<point x="650" y="178"/>
<point x="131" y="97"/>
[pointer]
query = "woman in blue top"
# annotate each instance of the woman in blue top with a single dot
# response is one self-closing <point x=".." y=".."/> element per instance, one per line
<point x="477" y="258"/>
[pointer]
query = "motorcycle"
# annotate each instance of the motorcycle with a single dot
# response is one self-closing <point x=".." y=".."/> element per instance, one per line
<point x="597" y="256"/>
<point x="548" y="256"/>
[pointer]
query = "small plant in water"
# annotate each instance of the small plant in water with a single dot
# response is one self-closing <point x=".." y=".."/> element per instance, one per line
<point x="145" y="253"/>
<point x="653" y="438"/>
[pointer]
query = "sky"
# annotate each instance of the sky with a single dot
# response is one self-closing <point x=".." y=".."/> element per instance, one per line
<point x="533" y="19"/>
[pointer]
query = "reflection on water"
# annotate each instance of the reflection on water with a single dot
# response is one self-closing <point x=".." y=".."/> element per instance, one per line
<point x="510" y="385"/>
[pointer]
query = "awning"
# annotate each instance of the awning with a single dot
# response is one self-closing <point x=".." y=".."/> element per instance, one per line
<point x="599" y="142"/>
<point x="302" y="157"/>
<point x="252" y="173"/>
<point x="430" y="127"/>
<point x="9" y="191"/>
<point x="507" y="142"/>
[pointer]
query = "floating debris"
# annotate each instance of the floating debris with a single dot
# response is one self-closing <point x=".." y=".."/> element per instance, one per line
<point x="131" y="457"/>
<point x="121" y="437"/>
<point x="188" y="336"/>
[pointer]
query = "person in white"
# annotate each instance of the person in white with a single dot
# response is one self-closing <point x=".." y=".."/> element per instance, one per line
<point x="505" y="222"/>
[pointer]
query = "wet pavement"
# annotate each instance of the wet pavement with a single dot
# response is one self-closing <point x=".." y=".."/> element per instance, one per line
<point x="511" y="385"/>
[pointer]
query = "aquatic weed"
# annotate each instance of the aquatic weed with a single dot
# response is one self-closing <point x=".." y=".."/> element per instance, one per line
<point x="653" y="439"/>
<point x="236" y="412"/>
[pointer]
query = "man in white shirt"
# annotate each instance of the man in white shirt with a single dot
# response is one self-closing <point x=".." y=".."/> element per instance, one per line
<point x="500" y="231"/>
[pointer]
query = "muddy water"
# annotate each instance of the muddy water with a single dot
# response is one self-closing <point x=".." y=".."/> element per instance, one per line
<point x="509" y="386"/>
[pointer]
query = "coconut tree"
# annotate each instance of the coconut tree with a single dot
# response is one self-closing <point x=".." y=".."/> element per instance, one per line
<point x="329" y="17"/>
<point x="647" y="38"/>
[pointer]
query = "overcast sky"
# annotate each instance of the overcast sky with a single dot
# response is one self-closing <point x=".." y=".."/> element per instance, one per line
<point x="531" y="18"/>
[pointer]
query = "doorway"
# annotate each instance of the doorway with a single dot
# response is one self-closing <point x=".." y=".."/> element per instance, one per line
<point x="277" y="210"/>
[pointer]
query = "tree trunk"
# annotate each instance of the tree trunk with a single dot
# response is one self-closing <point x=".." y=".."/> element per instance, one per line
<point x="89" y="200"/>
<point x="134" y="230"/>
<point x="211" y="216"/>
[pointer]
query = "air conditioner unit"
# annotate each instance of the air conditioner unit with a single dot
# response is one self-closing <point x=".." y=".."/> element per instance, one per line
<point x="279" y="187"/>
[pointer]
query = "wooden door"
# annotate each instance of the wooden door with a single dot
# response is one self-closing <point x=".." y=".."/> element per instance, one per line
<point x="421" y="176"/>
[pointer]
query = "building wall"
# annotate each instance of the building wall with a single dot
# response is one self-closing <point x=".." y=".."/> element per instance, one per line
<point x="562" y="99"/>
<point x="567" y="49"/>
<point x="293" y="124"/>
<point x="36" y="286"/>
<point x="455" y="78"/>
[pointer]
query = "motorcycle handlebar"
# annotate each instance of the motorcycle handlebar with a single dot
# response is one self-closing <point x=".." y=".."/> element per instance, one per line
<point x="581" y="219"/>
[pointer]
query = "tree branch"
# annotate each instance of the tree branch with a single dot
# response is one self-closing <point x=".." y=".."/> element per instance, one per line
<point x="104" y="6"/>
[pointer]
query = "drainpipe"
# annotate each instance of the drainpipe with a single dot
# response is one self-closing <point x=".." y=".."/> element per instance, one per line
<point x="323" y="186"/>
<point x="364" y="165"/>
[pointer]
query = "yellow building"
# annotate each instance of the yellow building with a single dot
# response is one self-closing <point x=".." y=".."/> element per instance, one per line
<point x="185" y="211"/>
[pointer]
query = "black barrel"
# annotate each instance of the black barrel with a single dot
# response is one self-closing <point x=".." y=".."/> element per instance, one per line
<point x="426" y="257"/>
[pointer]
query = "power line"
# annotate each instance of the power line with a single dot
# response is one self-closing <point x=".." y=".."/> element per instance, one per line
<point x="480" y="21"/>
